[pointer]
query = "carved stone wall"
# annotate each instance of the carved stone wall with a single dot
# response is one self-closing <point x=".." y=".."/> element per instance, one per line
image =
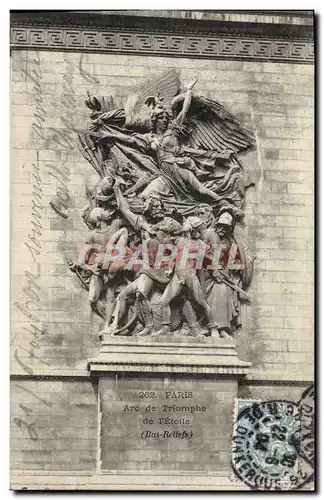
<point x="268" y="83"/>
<point x="276" y="98"/>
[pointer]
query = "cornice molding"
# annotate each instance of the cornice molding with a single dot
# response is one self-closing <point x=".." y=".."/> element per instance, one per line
<point x="161" y="37"/>
<point x="100" y="21"/>
<point x="162" y="44"/>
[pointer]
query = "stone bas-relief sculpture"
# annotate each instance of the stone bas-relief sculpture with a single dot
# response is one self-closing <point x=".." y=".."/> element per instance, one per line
<point x="169" y="195"/>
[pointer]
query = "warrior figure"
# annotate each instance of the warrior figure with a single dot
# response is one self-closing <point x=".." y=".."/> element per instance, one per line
<point x="226" y="284"/>
<point x="171" y="184"/>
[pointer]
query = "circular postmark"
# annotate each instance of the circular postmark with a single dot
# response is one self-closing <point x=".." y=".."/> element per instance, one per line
<point x="307" y="425"/>
<point x="266" y="446"/>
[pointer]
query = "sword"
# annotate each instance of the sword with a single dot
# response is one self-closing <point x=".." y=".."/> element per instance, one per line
<point x="232" y="285"/>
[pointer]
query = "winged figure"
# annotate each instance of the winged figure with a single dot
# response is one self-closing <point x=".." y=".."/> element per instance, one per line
<point x="176" y="147"/>
<point x="182" y="147"/>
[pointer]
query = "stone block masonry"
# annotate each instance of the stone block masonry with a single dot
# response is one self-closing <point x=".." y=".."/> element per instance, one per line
<point x="177" y="423"/>
<point x="54" y="425"/>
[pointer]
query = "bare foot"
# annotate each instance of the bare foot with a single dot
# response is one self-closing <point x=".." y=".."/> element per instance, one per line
<point x="214" y="333"/>
<point x="165" y="330"/>
<point x="107" y="331"/>
<point x="199" y="332"/>
<point x="225" y="335"/>
<point x="143" y="333"/>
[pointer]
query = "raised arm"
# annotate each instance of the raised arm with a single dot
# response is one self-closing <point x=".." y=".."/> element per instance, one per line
<point x="186" y="103"/>
<point x="105" y="133"/>
<point x="124" y="208"/>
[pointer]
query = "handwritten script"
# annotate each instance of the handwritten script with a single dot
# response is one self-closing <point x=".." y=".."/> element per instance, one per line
<point x="31" y="288"/>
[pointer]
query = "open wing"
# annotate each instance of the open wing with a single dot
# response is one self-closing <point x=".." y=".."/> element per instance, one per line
<point x="107" y="105"/>
<point x="213" y="127"/>
<point x="135" y="114"/>
<point x="167" y="84"/>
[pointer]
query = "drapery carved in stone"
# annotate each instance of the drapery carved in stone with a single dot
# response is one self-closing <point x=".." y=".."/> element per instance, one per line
<point x="162" y="257"/>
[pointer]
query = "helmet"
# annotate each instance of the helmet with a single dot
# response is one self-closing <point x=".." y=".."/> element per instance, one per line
<point x="226" y="219"/>
<point x="194" y="222"/>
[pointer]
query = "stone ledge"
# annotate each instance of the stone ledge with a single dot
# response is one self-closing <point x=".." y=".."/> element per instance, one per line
<point x="278" y="377"/>
<point x="126" y="480"/>
<point x="305" y="17"/>
<point x="262" y="23"/>
<point x="52" y="374"/>
<point x="123" y="480"/>
<point x="181" y="355"/>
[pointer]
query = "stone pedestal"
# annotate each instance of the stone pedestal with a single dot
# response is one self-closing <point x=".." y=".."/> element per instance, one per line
<point x="163" y="355"/>
<point x="166" y="406"/>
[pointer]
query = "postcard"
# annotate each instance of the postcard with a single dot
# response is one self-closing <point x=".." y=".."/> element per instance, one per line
<point x="162" y="167"/>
